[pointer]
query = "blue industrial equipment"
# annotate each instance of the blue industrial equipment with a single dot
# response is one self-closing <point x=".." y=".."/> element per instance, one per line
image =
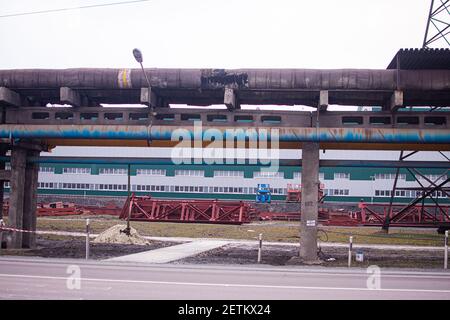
<point x="263" y="194"/>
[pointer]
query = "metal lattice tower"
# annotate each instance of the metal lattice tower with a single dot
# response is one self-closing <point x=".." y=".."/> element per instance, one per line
<point x="437" y="31"/>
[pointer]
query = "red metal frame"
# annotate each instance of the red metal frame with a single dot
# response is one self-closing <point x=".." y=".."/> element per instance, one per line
<point x="419" y="215"/>
<point x="146" y="208"/>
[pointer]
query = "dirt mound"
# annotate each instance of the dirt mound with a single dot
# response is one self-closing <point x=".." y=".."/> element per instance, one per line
<point x="114" y="235"/>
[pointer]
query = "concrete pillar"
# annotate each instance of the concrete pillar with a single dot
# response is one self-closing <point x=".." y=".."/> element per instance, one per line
<point x="30" y="202"/>
<point x="16" y="196"/>
<point x="309" y="205"/>
<point x="2" y="182"/>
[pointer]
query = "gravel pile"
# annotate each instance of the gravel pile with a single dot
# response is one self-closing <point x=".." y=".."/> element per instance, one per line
<point x="114" y="235"/>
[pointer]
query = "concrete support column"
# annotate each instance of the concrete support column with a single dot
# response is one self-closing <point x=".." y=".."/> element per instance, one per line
<point x="309" y="205"/>
<point x="16" y="197"/>
<point x="2" y="182"/>
<point x="30" y="202"/>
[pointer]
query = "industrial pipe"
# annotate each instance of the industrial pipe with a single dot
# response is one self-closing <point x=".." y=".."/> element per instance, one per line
<point x="300" y="79"/>
<point x="331" y="135"/>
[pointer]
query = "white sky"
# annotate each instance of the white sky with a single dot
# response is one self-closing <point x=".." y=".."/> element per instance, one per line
<point x="211" y="33"/>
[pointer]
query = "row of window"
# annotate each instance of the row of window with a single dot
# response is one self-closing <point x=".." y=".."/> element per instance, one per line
<point x="214" y="189"/>
<point x="77" y="170"/>
<point x="389" y="176"/>
<point x="113" y="171"/>
<point x="407" y="193"/>
<point x="227" y="173"/>
<point x="336" y="192"/>
<point x="152" y="188"/>
<point x="205" y="189"/>
<point x="433" y="177"/>
<point x="151" y="172"/>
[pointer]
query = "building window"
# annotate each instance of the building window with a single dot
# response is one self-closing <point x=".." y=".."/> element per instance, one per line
<point x="79" y="186"/>
<point x="342" y="175"/>
<point x="190" y="173"/>
<point x="298" y="175"/>
<point x="77" y="170"/>
<point x="151" y="172"/>
<point x="432" y="177"/>
<point x="268" y="174"/>
<point x="385" y="193"/>
<point x="46" y="170"/>
<point x="113" y="171"/>
<point x="228" y="173"/>
<point x="337" y="192"/>
<point x="389" y="176"/>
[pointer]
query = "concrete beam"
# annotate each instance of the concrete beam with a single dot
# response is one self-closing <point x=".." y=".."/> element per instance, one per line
<point x="396" y="101"/>
<point x="9" y="97"/>
<point x="323" y="100"/>
<point x="70" y="96"/>
<point x="230" y="99"/>
<point x="310" y="202"/>
<point x="149" y="97"/>
<point x="5" y="175"/>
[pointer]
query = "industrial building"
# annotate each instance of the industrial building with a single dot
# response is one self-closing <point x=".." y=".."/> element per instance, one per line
<point x="225" y="181"/>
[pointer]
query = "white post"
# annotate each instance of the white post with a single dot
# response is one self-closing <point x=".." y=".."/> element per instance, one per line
<point x="260" y="248"/>
<point x="87" y="239"/>
<point x="350" y="247"/>
<point x="446" y="250"/>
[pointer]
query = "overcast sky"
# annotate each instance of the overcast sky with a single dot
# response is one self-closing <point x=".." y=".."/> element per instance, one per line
<point x="211" y="33"/>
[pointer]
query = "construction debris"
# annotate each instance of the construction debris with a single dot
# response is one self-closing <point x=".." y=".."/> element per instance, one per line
<point x="115" y="234"/>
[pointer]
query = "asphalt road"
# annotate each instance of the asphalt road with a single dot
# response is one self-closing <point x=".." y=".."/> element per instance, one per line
<point x="35" y="278"/>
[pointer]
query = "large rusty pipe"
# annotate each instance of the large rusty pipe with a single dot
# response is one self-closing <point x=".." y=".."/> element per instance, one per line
<point x="260" y="79"/>
<point x="165" y="133"/>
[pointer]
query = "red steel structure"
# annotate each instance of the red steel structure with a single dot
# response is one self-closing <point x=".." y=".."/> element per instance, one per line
<point x="419" y="215"/>
<point x="146" y="208"/>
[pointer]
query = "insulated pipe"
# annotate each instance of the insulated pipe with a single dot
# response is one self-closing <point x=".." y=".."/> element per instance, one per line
<point x="269" y="79"/>
<point x="171" y="133"/>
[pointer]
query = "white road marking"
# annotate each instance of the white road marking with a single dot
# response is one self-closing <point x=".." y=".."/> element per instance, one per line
<point x="226" y="284"/>
<point x="201" y="269"/>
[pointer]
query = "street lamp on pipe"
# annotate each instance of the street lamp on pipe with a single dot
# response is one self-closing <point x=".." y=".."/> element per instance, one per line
<point x="140" y="59"/>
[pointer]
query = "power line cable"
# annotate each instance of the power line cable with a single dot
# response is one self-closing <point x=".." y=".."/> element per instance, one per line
<point x="69" y="9"/>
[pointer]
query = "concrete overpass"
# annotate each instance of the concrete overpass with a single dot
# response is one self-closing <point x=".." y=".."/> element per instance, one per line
<point x="28" y="127"/>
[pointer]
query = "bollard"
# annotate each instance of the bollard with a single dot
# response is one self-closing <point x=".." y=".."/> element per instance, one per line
<point x="260" y="248"/>
<point x="350" y="248"/>
<point x="446" y="249"/>
<point x="87" y="238"/>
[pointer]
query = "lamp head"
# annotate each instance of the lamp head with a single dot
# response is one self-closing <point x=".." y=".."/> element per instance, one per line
<point x="138" y="55"/>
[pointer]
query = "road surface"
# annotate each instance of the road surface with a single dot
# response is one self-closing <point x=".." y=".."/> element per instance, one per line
<point x="37" y="278"/>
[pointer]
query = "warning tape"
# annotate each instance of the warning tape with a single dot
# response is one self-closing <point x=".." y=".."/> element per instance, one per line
<point x="15" y="230"/>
